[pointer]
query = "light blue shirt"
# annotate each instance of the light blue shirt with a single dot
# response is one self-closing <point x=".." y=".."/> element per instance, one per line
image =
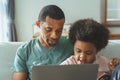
<point x="33" y="53"/>
<point x="116" y="74"/>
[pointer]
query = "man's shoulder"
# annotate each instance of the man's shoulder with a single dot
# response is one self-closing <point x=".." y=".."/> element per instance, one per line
<point x="29" y="44"/>
<point x="64" y="39"/>
<point x="65" y="43"/>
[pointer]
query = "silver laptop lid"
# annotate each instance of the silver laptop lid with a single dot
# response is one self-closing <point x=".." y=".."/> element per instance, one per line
<point x="65" y="72"/>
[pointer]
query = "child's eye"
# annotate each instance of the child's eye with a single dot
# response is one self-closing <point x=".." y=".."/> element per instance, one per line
<point x="88" y="52"/>
<point x="78" y="50"/>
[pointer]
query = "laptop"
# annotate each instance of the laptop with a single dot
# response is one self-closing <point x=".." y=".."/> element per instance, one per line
<point x="65" y="72"/>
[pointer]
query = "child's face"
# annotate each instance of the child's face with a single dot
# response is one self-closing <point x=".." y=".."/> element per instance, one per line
<point x="84" y="52"/>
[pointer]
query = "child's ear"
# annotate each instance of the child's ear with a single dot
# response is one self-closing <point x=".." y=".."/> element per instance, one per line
<point x="38" y="24"/>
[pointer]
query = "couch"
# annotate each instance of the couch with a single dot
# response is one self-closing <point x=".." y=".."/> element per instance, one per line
<point x="7" y="54"/>
<point x="8" y="49"/>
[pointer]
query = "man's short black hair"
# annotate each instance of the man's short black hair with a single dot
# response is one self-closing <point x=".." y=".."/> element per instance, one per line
<point x="91" y="31"/>
<point x="52" y="11"/>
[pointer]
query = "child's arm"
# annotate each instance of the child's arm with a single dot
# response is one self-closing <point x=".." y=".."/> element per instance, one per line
<point x="104" y="76"/>
<point x="113" y="62"/>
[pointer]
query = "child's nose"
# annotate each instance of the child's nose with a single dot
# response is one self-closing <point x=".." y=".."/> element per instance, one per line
<point x="82" y="57"/>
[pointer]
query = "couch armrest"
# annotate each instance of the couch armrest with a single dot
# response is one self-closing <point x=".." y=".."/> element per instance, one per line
<point x="7" y="54"/>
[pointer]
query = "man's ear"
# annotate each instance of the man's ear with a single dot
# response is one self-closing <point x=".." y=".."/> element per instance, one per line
<point x="38" y="24"/>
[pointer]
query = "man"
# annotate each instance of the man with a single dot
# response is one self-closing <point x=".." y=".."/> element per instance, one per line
<point x="49" y="48"/>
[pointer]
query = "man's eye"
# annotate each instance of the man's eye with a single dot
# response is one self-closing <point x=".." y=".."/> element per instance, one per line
<point x="59" y="31"/>
<point x="48" y="29"/>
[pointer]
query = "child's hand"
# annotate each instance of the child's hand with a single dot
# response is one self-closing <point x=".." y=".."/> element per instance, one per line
<point x="113" y="63"/>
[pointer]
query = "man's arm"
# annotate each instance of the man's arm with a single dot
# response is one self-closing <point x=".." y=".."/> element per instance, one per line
<point x="19" y="76"/>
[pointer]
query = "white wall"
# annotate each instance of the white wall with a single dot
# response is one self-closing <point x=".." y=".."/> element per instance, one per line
<point x="27" y="11"/>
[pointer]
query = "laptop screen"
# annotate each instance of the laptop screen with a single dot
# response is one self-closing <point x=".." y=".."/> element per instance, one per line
<point x="65" y="72"/>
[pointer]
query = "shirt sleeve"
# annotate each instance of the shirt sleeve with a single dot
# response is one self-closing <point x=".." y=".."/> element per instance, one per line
<point x="103" y="63"/>
<point x="68" y="61"/>
<point x="20" y="61"/>
<point x="116" y="74"/>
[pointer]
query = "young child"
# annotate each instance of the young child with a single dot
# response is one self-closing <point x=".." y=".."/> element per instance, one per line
<point x="88" y="38"/>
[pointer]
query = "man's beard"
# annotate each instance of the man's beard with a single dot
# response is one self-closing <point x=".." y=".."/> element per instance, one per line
<point x="51" y="45"/>
<point x="50" y="40"/>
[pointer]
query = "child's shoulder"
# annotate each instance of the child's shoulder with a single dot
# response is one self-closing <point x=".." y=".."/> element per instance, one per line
<point x="101" y="58"/>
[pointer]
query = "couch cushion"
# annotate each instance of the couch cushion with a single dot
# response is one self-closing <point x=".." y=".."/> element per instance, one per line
<point x="7" y="53"/>
<point x="112" y="49"/>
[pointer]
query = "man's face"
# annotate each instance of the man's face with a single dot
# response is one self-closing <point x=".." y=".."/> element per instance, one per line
<point x="50" y="31"/>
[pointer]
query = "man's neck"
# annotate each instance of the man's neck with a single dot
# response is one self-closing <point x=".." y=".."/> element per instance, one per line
<point x="44" y="44"/>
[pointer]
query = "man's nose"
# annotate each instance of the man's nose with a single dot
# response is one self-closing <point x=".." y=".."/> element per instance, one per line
<point x="54" y="35"/>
